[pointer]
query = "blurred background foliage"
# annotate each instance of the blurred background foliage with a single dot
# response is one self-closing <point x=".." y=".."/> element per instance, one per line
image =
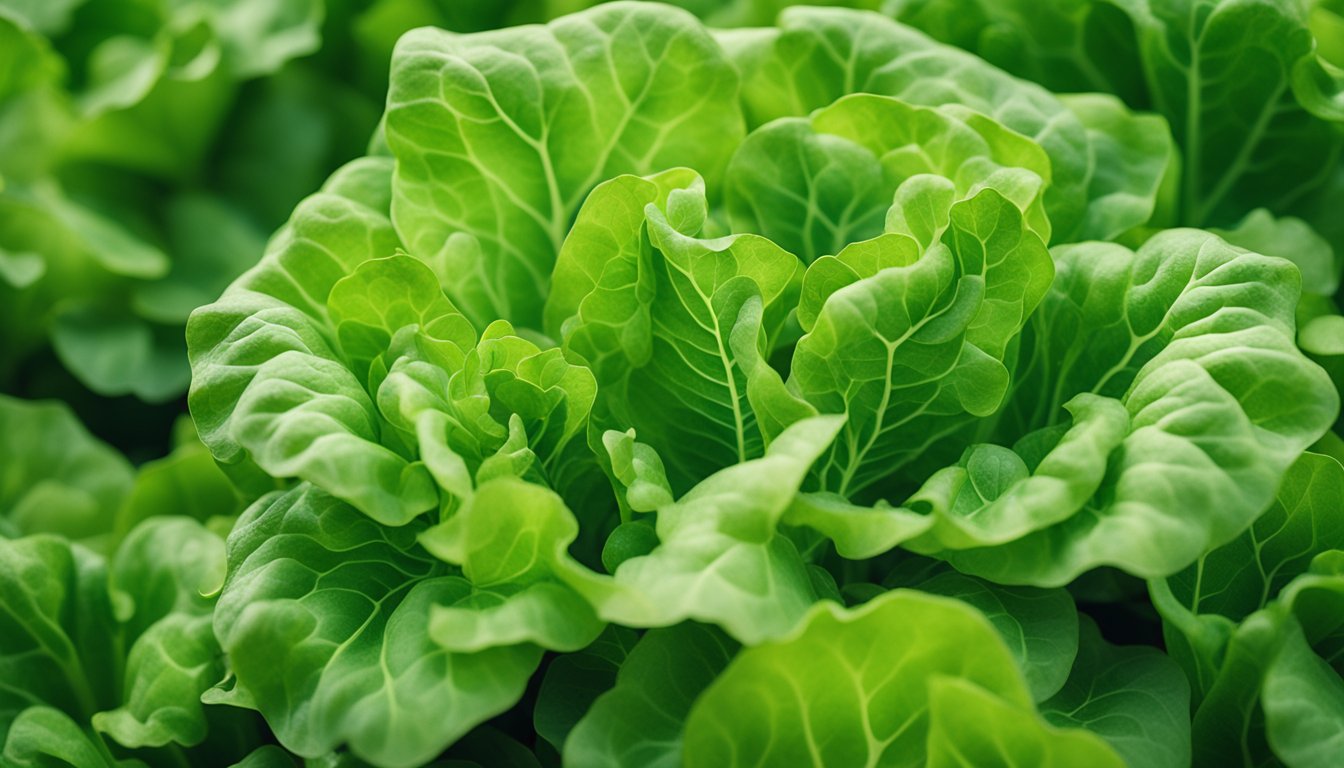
<point x="148" y="148"/>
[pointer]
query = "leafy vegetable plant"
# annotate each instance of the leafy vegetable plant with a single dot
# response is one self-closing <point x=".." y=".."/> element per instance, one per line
<point x="920" y="382"/>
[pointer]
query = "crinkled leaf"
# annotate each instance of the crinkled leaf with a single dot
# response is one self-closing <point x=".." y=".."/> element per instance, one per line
<point x="510" y="539"/>
<point x="1195" y="340"/>
<point x="818" y="55"/>
<point x="912" y="346"/>
<point x="167" y="670"/>
<point x="59" y="631"/>
<point x="661" y="314"/>
<point x="819" y="183"/>
<point x="720" y="558"/>
<point x="343" y="606"/>
<point x="270" y="386"/>
<point x="499" y="137"/>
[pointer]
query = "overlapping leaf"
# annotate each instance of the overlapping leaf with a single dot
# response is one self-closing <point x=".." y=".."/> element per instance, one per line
<point x="345" y="605"/>
<point x="659" y="313"/>
<point x="1248" y="97"/>
<point x="817" y="184"/>
<point x="1108" y="165"/>
<point x="500" y="136"/>
<point x="888" y="683"/>
<point x="1177" y="361"/>
<point x="1255" y="624"/>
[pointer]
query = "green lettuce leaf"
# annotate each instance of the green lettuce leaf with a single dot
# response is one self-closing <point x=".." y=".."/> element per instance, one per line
<point x="1057" y="44"/>
<point x="720" y="558"/>
<point x="1243" y="85"/>
<point x="59" y="628"/>
<point x="186" y="482"/>
<point x="1134" y="697"/>
<point x="910" y="345"/>
<point x="267" y="347"/>
<point x="43" y="736"/>
<point x="1103" y="185"/>
<point x="1039" y="626"/>
<point x="1186" y="333"/>
<point x="1255" y="625"/>
<point x="510" y="540"/>
<point x="58" y="478"/>
<point x="574" y="681"/>
<point x="115" y="121"/>
<point x="816" y="184"/>
<point x="159" y="578"/>
<point x="825" y="696"/>
<point x="639" y="721"/>
<point x="659" y="313"/>
<point x="411" y="402"/>
<point x="344" y="606"/>
<point x="500" y="136"/>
